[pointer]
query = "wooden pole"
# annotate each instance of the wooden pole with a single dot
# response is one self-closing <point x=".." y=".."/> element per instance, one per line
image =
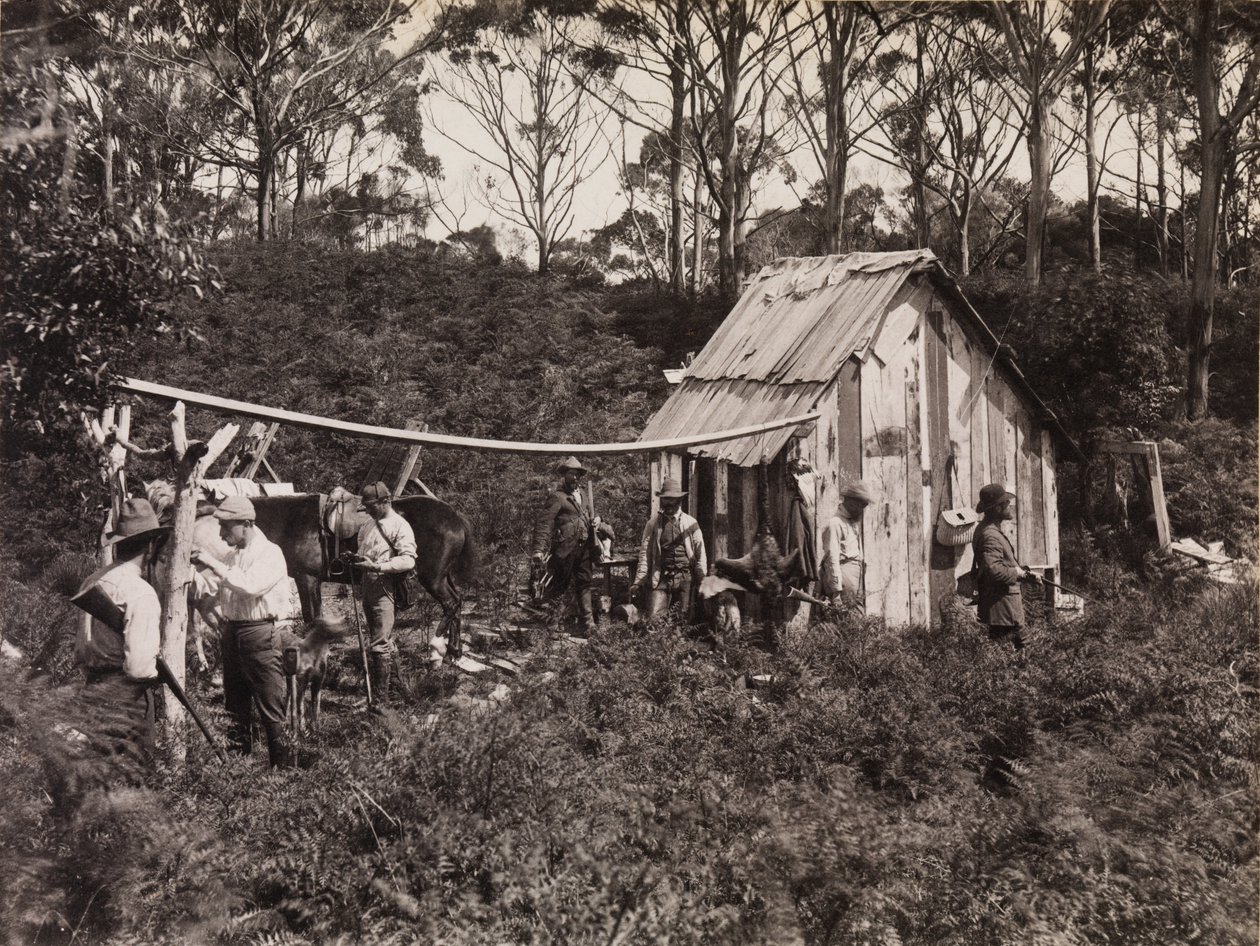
<point x="315" y="422"/>
<point x="409" y="463"/>
<point x="188" y="462"/>
<point x="260" y="455"/>
<point x="113" y="472"/>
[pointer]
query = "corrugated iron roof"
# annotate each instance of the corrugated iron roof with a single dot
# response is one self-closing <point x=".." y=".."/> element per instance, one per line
<point x="698" y="406"/>
<point x="782" y="344"/>
<point x="801" y="317"/>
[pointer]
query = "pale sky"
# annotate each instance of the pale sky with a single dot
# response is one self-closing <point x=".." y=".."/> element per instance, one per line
<point x="599" y="201"/>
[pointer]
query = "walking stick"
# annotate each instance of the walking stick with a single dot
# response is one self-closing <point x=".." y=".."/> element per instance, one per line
<point x="358" y="629"/>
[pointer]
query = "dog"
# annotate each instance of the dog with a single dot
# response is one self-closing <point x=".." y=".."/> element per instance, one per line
<point x="305" y="664"/>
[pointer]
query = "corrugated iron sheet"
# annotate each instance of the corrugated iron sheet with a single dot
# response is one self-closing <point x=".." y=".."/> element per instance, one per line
<point x="780" y="348"/>
<point x="697" y="406"/>
<point x="801" y="318"/>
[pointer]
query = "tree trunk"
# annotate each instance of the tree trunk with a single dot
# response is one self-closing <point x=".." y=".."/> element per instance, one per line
<point x="678" y="103"/>
<point x="836" y="145"/>
<point x="1161" y="186"/>
<point x="918" y="171"/>
<point x="964" y="237"/>
<point x="107" y="159"/>
<point x="697" y="234"/>
<point x="1212" y="152"/>
<point x="1091" y="164"/>
<point x="1137" y="195"/>
<point x="1038" y="188"/>
<point x="299" y="193"/>
<point x="263" y="197"/>
<point x="1185" y="243"/>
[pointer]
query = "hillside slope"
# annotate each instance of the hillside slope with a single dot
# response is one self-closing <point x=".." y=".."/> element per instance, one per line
<point x="397" y="336"/>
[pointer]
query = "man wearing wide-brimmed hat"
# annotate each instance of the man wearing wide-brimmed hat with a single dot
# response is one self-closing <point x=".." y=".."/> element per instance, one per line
<point x="997" y="568"/>
<point x="562" y="542"/>
<point x="843" y="560"/>
<point x="121" y="666"/>
<point x="672" y="558"/>
<point x="387" y="551"/>
<point x="253" y="590"/>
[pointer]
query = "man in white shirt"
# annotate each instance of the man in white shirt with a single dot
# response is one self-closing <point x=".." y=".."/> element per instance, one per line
<point x="843" y="559"/>
<point x="387" y="552"/>
<point x="253" y="589"/>
<point x="671" y="556"/>
<point x="121" y="666"/>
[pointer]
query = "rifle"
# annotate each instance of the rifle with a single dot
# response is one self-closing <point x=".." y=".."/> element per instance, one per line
<point x="1055" y="584"/>
<point x="100" y="606"/>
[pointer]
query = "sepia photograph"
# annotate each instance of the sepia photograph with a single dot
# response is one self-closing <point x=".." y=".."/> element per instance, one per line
<point x="627" y="472"/>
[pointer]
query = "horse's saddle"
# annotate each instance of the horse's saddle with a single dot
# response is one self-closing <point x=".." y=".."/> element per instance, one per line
<point x="340" y="514"/>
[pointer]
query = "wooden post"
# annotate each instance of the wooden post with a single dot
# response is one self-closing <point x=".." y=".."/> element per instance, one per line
<point x="1163" y="529"/>
<point x="113" y="472"/>
<point x="189" y="460"/>
<point x="409" y="464"/>
<point x="1149" y="452"/>
<point x="260" y="455"/>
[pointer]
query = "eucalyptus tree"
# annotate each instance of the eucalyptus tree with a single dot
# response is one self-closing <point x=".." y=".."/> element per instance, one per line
<point x="943" y="122"/>
<point x="520" y="73"/>
<point x="283" y="68"/>
<point x="647" y="36"/>
<point x="1224" y="44"/>
<point x="831" y="88"/>
<point x="737" y="52"/>
<point x="1044" y="41"/>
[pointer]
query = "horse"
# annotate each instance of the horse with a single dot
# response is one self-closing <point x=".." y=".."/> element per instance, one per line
<point x="446" y="552"/>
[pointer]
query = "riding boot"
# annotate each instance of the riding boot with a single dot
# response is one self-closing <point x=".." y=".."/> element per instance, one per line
<point x="381" y="669"/>
<point x="586" y="613"/>
<point x="279" y="751"/>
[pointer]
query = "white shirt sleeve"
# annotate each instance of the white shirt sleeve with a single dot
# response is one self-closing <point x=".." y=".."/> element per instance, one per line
<point x="259" y="575"/>
<point x="142" y="633"/>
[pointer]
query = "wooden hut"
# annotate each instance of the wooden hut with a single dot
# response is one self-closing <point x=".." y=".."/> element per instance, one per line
<point x="915" y="394"/>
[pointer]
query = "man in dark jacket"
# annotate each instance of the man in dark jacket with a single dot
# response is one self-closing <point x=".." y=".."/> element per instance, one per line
<point x="564" y="530"/>
<point x="998" y="572"/>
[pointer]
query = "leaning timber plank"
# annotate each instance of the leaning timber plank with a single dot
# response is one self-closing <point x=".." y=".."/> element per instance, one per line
<point x="1139" y="447"/>
<point x="1162" y="526"/>
<point x="260" y="455"/>
<point x="314" y="422"/>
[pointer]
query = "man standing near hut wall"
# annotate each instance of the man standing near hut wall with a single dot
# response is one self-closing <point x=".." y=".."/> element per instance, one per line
<point x="998" y="572"/>
<point x="671" y="557"/>
<point x="387" y="551"/>
<point x="843" y="559"/>
<point x="253" y="589"/>
<point x="564" y="529"/>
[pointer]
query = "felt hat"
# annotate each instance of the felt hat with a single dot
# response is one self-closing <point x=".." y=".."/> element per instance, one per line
<point x="671" y="489"/>
<point x="570" y="463"/>
<point x="135" y="518"/>
<point x="236" y="509"/>
<point x="992" y="495"/>
<point x="376" y="492"/>
<point x="858" y="490"/>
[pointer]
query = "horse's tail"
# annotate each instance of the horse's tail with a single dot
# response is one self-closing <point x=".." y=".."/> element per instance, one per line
<point x="468" y="562"/>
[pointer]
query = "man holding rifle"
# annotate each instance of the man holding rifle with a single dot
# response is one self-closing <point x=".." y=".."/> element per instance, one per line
<point x="998" y="572"/>
<point x="121" y="663"/>
<point x="562" y="543"/>
<point x="253" y="589"/>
